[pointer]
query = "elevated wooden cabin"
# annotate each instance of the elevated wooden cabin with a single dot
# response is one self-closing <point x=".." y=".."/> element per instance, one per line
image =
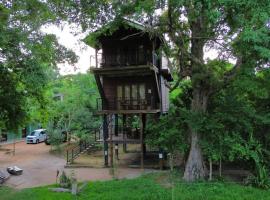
<point x="130" y="73"/>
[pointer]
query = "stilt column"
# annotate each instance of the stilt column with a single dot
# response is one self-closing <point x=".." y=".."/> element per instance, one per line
<point x="105" y="137"/>
<point x="143" y="120"/>
<point x="116" y="134"/>
<point x="124" y="133"/>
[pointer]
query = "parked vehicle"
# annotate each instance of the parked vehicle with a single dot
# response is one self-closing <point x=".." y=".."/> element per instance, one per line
<point x="36" y="136"/>
<point x="63" y="136"/>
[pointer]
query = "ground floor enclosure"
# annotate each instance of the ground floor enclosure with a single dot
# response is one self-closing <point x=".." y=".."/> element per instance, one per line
<point x="127" y="130"/>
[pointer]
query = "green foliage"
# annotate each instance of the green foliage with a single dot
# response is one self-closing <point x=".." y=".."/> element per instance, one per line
<point x="27" y="57"/>
<point x="167" y="133"/>
<point x="75" y="113"/>
<point x="55" y="137"/>
<point x="261" y="179"/>
<point x="64" y="180"/>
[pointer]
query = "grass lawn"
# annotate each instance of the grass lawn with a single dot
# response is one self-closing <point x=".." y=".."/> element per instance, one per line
<point x="154" y="186"/>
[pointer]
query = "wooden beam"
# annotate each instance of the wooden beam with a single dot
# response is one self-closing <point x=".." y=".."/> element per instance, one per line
<point x="105" y="143"/>
<point x="144" y="127"/>
<point x="125" y="70"/>
<point x="124" y="133"/>
<point x="141" y="140"/>
<point x="100" y="87"/>
<point x="157" y="85"/>
<point x="116" y="134"/>
<point x="111" y="141"/>
<point x="128" y="111"/>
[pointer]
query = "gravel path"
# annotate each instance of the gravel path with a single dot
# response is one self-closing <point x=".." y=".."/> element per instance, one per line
<point x="40" y="167"/>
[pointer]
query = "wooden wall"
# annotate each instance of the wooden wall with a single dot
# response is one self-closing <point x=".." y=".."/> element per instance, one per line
<point x="164" y="96"/>
<point x="110" y="87"/>
<point x="126" y="47"/>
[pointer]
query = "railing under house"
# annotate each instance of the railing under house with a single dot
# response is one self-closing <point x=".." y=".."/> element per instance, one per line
<point x="126" y="104"/>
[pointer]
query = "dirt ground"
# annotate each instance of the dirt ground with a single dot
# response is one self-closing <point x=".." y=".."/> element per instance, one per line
<point x="40" y="166"/>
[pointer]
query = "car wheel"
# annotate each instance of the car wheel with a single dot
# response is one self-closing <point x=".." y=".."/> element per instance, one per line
<point x="37" y="141"/>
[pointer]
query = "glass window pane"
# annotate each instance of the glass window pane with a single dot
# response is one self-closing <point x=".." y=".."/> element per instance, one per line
<point x="119" y="92"/>
<point x="134" y="92"/>
<point x="127" y="92"/>
<point x="142" y="91"/>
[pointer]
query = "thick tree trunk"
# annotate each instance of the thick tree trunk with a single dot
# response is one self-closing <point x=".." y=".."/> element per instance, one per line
<point x="195" y="168"/>
<point x="210" y="170"/>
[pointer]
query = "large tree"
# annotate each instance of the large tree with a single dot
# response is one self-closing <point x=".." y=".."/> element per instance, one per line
<point x="237" y="29"/>
<point x="27" y="57"/>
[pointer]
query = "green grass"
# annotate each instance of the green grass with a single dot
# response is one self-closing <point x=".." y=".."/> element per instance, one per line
<point x="154" y="186"/>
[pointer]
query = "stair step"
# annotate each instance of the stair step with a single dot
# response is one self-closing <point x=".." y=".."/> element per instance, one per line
<point x="82" y="150"/>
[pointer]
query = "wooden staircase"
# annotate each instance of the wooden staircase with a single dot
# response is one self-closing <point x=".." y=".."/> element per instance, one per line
<point x="85" y="145"/>
<point x="79" y="149"/>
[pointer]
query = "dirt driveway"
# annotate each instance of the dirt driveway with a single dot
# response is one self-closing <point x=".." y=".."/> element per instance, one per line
<point x="40" y="166"/>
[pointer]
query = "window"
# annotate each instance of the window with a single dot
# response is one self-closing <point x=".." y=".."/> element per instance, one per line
<point x="142" y="91"/>
<point x="119" y="96"/>
<point x="134" y="92"/>
<point x="119" y="92"/>
<point x="130" y="96"/>
<point x="127" y="92"/>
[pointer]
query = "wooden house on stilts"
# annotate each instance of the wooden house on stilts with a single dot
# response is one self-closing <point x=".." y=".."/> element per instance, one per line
<point x="130" y="73"/>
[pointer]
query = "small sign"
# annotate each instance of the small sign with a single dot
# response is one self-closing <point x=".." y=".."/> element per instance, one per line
<point x="160" y="156"/>
<point x="105" y="153"/>
<point x="116" y="147"/>
<point x="149" y="91"/>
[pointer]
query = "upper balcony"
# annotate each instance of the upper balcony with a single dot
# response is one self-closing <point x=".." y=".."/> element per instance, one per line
<point x="121" y="58"/>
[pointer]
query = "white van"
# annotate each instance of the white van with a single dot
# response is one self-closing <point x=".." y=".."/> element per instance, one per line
<point x="36" y="136"/>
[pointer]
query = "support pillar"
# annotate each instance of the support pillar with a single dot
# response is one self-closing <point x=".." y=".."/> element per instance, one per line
<point x="116" y="134"/>
<point x="124" y="133"/>
<point x="105" y="137"/>
<point x="142" y="127"/>
<point x="110" y="127"/>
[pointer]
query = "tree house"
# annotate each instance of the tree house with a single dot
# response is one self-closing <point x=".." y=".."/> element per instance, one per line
<point x="130" y="73"/>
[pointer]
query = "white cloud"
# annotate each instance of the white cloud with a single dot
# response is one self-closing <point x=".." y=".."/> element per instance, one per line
<point x="71" y="37"/>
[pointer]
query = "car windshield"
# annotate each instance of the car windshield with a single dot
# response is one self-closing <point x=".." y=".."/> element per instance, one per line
<point x="33" y="133"/>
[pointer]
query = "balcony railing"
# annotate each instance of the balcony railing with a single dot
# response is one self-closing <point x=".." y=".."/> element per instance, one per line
<point x="125" y="59"/>
<point x="127" y="104"/>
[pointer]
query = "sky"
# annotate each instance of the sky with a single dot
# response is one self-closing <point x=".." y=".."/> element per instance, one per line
<point x="71" y="40"/>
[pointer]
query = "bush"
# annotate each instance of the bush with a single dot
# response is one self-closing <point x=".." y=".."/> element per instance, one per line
<point x="65" y="181"/>
<point x="261" y="179"/>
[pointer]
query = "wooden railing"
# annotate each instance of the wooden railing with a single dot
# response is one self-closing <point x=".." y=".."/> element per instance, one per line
<point x="126" y="104"/>
<point x="78" y="149"/>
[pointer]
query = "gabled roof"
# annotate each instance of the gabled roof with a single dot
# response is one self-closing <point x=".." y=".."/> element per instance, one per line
<point x="92" y="39"/>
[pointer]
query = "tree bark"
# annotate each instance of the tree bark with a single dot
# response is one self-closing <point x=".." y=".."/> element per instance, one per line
<point x="195" y="168"/>
<point x="220" y="167"/>
<point x="210" y="170"/>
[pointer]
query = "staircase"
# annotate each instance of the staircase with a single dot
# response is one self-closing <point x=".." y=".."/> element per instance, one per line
<point x="76" y="151"/>
<point x="84" y="145"/>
